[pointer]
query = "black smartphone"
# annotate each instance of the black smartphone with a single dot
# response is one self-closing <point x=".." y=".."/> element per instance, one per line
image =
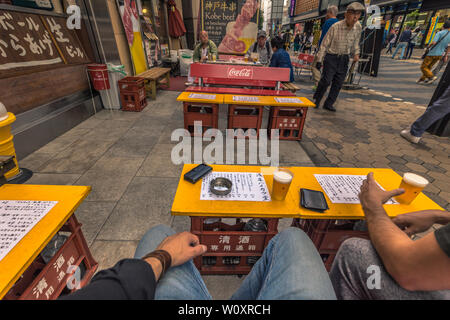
<point x="197" y="173"/>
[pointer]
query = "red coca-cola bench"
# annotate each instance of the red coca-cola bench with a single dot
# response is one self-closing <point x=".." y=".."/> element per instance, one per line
<point x="249" y="80"/>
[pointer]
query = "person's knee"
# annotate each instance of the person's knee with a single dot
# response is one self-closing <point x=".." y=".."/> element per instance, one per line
<point x="295" y="238"/>
<point x="354" y="247"/>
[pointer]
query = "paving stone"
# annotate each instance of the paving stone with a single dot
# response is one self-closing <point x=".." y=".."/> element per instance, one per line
<point x="435" y="168"/>
<point x="412" y="159"/>
<point x="396" y="159"/>
<point x="416" y="167"/>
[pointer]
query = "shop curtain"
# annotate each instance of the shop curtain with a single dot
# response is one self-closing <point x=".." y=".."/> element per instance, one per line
<point x="176" y="25"/>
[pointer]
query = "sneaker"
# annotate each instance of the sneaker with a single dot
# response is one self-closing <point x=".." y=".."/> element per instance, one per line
<point x="432" y="80"/>
<point x="408" y="136"/>
<point x="188" y="84"/>
<point x="420" y="80"/>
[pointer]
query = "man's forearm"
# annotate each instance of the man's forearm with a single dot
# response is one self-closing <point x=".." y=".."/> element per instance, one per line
<point x="388" y="240"/>
<point x="441" y="217"/>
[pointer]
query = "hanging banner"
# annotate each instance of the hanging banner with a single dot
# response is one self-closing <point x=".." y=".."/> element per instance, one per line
<point x="232" y="24"/>
<point x="130" y="19"/>
<point x="432" y="30"/>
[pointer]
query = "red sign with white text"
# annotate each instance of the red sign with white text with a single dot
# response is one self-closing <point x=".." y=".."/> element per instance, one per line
<point x="240" y="73"/>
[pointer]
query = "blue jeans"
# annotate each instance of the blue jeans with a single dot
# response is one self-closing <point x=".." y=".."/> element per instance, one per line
<point x="290" y="268"/>
<point x="400" y="45"/>
<point x="439" y="109"/>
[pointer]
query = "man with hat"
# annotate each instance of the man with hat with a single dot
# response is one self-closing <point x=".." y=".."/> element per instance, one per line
<point x="261" y="47"/>
<point x="340" y="42"/>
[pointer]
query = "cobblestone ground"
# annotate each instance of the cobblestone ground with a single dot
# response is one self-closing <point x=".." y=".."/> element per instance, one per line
<point x="364" y="132"/>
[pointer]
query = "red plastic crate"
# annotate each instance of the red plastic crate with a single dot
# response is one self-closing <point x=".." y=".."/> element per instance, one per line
<point x="133" y="101"/>
<point x="231" y="250"/>
<point x="43" y="281"/>
<point x="289" y="122"/>
<point x="241" y="117"/>
<point x="132" y="84"/>
<point x="207" y="113"/>
<point x="328" y="236"/>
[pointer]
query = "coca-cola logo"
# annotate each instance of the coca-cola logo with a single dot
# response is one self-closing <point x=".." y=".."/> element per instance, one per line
<point x="244" y="73"/>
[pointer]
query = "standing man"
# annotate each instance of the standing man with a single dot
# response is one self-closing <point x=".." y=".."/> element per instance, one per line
<point x="438" y="47"/>
<point x="341" y="41"/>
<point x="262" y="48"/>
<point x="202" y="52"/>
<point x="392" y="38"/>
<point x="412" y="43"/>
<point x="438" y="110"/>
<point x="403" y="42"/>
<point x="331" y="19"/>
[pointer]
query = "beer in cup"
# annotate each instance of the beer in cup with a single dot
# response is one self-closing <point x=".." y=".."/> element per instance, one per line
<point x="413" y="185"/>
<point x="281" y="181"/>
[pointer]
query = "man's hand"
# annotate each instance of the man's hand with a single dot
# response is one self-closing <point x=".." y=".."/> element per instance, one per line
<point x="203" y="59"/>
<point x="182" y="247"/>
<point x="419" y="221"/>
<point x="372" y="196"/>
<point x="356" y="58"/>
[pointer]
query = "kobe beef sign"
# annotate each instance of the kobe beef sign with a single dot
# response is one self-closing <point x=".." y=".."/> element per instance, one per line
<point x="231" y="24"/>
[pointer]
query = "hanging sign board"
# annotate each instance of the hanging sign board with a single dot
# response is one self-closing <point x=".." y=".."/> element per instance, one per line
<point x="232" y="25"/>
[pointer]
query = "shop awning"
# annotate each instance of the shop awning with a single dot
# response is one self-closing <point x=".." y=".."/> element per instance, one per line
<point x="430" y="5"/>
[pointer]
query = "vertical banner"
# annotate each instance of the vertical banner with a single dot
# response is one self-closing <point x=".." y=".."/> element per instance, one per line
<point x="432" y="29"/>
<point x="130" y="19"/>
<point x="232" y="24"/>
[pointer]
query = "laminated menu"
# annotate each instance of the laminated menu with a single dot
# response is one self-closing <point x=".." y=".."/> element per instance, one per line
<point x="247" y="186"/>
<point x="288" y="100"/>
<point x="202" y="96"/>
<point x="17" y="218"/>
<point x="343" y="188"/>
<point x="245" y="99"/>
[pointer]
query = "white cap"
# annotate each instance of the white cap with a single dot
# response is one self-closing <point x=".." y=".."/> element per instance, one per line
<point x="3" y="113"/>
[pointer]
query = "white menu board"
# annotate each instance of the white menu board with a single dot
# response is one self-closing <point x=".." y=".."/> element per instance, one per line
<point x="17" y="218"/>
<point x="247" y="186"/>
<point x="343" y="188"/>
<point x="202" y="96"/>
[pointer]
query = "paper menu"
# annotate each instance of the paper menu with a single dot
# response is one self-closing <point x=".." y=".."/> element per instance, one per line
<point x="288" y="100"/>
<point x="247" y="186"/>
<point x="17" y="218"/>
<point x="202" y="96"/>
<point x="343" y="188"/>
<point x="245" y="99"/>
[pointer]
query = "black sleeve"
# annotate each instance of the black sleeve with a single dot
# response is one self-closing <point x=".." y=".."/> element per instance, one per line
<point x="443" y="238"/>
<point x="131" y="279"/>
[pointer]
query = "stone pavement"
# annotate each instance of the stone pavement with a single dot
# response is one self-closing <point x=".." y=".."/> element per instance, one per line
<point x="364" y="132"/>
<point x="126" y="158"/>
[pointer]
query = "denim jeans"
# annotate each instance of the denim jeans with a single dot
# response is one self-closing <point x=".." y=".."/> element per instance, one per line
<point x="290" y="268"/>
<point x="402" y="45"/>
<point x="439" y="109"/>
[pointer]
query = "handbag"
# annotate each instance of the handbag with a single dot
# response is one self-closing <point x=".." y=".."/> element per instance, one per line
<point x="427" y="50"/>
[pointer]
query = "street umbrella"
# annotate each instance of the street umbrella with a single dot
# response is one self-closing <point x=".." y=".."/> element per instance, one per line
<point x="176" y="25"/>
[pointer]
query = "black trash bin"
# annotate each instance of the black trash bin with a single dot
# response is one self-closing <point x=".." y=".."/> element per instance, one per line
<point x="441" y="127"/>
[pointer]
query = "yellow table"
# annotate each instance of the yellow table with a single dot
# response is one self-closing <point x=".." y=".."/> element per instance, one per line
<point x="187" y="198"/>
<point x="16" y="262"/>
<point x="320" y="227"/>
